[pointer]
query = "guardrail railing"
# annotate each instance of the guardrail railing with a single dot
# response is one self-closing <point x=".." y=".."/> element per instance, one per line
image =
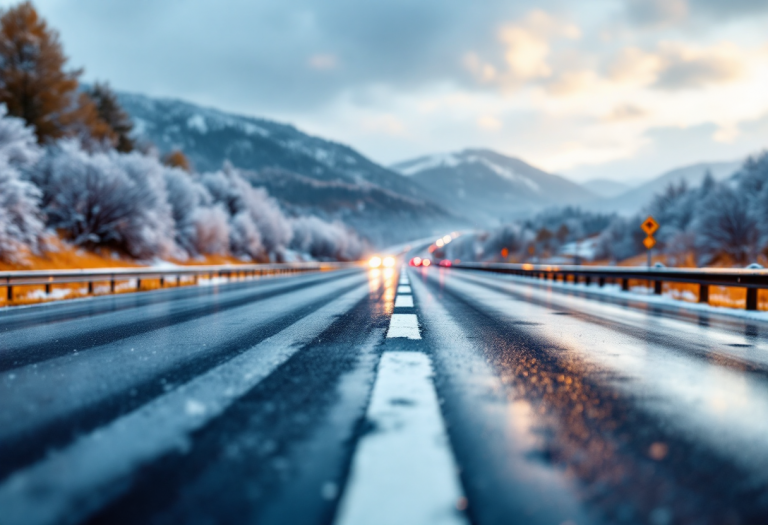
<point x="752" y="280"/>
<point x="113" y="276"/>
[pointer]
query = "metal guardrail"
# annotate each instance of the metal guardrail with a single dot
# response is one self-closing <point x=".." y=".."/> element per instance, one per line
<point x="752" y="280"/>
<point x="48" y="278"/>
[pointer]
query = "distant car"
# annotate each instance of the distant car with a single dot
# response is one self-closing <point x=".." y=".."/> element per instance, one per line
<point x="426" y="262"/>
<point x="416" y="261"/>
<point x="445" y="263"/>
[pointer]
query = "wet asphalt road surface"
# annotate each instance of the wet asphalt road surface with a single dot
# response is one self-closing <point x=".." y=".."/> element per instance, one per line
<point x="381" y="397"/>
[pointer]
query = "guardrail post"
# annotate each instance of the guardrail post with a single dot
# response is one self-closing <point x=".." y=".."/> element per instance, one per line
<point x="9" y="290"/>
<point x="625" y="285"/>
<point x="587" y="280"/>
<point x="601" y="281"/>
<point x="112" y="284"/>
<point x="704" y="293"/>
<point x="138" y="284"/>
<point x="48" y="289"/>
<point x="162" y="282"/>
<point x="751" y="298"/>
<point x="657" y="287"/>
<point x="90" y="287"/>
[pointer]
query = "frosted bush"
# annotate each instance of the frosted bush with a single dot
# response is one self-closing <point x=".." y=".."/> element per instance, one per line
<point x="20" y="223"/>
<point x="201" y="226"/>
<point x="106" y="199"/>
<point x="324" y="240"/>
<point x="258" y="227"/>
<point x="211" y="231"/>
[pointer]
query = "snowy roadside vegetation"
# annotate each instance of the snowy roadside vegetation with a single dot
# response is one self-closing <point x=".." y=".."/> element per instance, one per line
<point x="69" y="167"/>
<point x="718" y="223"/>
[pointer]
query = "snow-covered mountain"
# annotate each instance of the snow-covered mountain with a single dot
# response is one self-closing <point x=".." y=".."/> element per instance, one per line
<point x="306" y="174"/>
<point x="488" y="187"/>
<point x="633" y="200"/>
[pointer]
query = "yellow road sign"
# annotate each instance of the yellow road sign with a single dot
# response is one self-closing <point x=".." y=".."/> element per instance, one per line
<point x="650" y="226"/>
<point x="649" y="242"/>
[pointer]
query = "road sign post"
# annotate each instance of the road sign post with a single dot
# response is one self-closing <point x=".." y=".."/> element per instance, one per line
<point x="649" y="226"/>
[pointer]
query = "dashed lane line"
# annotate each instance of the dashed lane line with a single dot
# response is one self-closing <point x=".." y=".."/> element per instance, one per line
<point x="403" y="471"/>
<point x="404" y="301"/>
<point x="404" y="325"/>
<point x="403" y="289"/>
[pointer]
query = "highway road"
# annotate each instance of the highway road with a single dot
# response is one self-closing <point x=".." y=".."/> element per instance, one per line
<point x="392" y="397"/>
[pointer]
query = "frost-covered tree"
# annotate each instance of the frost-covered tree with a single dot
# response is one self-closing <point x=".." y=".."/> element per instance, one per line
<point x="622" y="239"/>
<point x="113" y="115"/>
<point x="325" y="241"/>
<point x="725" y="227"/>
<point x="106" y="199"/>
<point x="201" y="227"/>
<point x="258" y="227"/>
<point x="20" y="223"/>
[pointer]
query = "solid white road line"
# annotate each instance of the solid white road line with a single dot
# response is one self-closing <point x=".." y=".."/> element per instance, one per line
<point x="403" y="472"/>
<point x="404" y="301"/>
<point x="404" y="325"/>
<point x="71" y="483"/>
<point x="403" y="289"/>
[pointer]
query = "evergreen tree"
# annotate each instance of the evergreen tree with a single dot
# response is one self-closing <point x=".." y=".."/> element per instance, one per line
<point x="33" y="83"/>
<point x="111" y="113"/>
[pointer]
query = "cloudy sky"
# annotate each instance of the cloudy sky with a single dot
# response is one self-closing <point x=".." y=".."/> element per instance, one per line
<point x="621" y="89"/>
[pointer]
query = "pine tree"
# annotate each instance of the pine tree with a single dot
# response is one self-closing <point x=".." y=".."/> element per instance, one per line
<point x="33" y="83"/>
<point x="110" y="112"/>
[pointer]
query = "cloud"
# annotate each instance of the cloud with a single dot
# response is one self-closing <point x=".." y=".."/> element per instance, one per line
<point x="400" y="77"/>
<point x="678" y="66"/>
<point x="661" y="13"/>
<point x="323" y="62"/>
<point x="624" y="113"/>
<point x="687" y="68"/>
<point x="729" y="8"/>
<point x="489" y="123"/>
<point x="657" y="12"/>
<point x="526" y="48"/>
<point x="634" y="66"/>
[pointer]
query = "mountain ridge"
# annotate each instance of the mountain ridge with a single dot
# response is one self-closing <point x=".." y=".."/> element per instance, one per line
<point x="270" y="151"/>
<point x="492" y="186"/>
<point x="633" y="200"/>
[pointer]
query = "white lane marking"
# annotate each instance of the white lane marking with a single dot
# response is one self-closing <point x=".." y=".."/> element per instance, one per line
<point x="403" y="277"/>
<point x="404" y="301"/>
<point x="70" y="484"/>
<point x="404" y="325"/>
<point x="403" y="472"/>
<point x="403" y="289"/>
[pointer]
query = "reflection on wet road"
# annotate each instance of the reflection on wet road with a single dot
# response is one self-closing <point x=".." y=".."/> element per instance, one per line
<point x="381" y="396"/>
